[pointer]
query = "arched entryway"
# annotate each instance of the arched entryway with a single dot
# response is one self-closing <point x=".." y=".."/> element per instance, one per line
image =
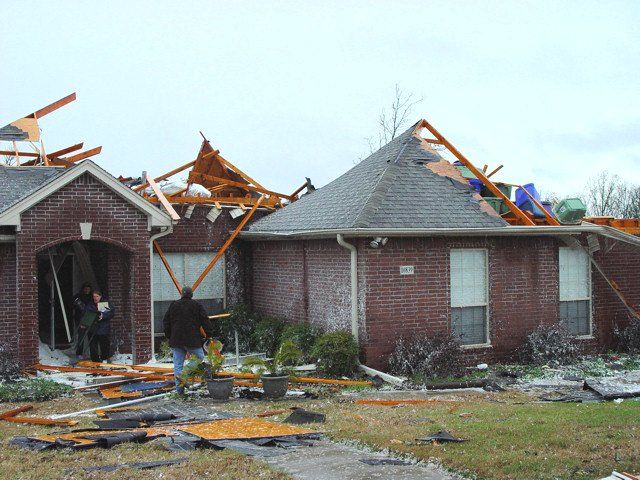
<point x="62" y="270"/>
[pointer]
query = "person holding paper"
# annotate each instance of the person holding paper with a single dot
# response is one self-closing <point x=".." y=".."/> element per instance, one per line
<point x="99" y="344"/>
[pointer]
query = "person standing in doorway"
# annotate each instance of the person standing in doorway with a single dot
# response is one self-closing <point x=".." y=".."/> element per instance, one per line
<point x="80" y="302"/>
<point x="182" y="324"/>
<point x="99" y="344"/>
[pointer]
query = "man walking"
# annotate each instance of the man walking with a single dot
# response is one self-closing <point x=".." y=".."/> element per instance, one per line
<point x="182" y="324"/>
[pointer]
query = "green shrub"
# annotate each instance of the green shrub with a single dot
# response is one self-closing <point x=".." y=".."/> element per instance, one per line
<point x="266" y="336"/>
<point x="165" y="350"/>
<point x="242" y="321"/>
<point x="303" y="335"/>
<point x="336" y="353"/>
<point x="33" y="390"/>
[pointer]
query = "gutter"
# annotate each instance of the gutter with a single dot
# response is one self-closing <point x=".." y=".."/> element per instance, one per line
<point x="153" y="238"/>
<point x="448" y="232"/>
<point x="354" y="284"/>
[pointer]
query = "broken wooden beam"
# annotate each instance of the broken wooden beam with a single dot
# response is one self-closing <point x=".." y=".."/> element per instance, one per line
<point x="52" y="107"/>
<point x="83" y="155"/>
<point x="173" y="276"/>
<point x="163" y="200"/>
<point x="170" y="173"/>
<point x="224" y="247"/>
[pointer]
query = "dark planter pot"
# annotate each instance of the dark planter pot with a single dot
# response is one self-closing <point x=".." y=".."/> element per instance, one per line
<point x="275" y="386"/>
<point x="220" y="388"/>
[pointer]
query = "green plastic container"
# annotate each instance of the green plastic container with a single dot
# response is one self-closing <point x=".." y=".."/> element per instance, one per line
<point x="570" y="210"/>
<point x="465" y="172"/>
<point x="506" y="189"/>
<point x="497" y="204"/>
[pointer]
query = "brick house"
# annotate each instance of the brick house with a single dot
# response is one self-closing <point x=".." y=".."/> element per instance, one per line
<point x="400" y="245"/>
<point x="52" y="215"/>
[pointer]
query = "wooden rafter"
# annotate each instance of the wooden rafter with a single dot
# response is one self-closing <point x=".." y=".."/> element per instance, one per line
<point x="52" y="107"/>
<point x="64" y="151"/>
<point x="170" y="173"/>
<point x="220" y="252"/>
<point x="550" y="218"/>
<point x="522" y="217"/>
<point x="163" y="200"/>
<point x="172" y="274"/>
<point x="13" y="153"/>
<point x="203" y="176"/>
<point x="83" y="155"/>
<point x="297" y="191"/>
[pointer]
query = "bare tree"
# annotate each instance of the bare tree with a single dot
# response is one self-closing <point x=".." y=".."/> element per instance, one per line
<point x="392" y="120"/>
<point x="9" y="160"/>
<point x="609" y="195"/>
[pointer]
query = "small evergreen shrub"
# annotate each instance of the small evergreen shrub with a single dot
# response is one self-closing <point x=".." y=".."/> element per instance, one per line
<point x="549" y="345"/>
<point x="33" y="390"/>
<point x="242" y="321"/>
<point x="427" y="357"/>
<point x="628" y="338"/>
<point x="9" y="366"/>
<point x="336" y="353"/>
<point x="266" y="336"/>
<point x="303" y="335"/>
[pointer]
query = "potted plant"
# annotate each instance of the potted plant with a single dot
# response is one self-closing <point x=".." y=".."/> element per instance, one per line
<point x="219" y="386"/>
<point x="274" y="373"/>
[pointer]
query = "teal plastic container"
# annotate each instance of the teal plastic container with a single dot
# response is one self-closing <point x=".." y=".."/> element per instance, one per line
<point x="497" y="204"/>
<point x="570" y="210"/>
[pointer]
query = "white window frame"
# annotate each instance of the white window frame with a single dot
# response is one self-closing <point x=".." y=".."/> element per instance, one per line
<point x="486" y="296"/>
<point x="590" y="289"/>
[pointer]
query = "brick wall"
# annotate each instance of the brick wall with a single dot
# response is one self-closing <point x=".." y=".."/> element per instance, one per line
<point x="310" y="280"/>
<point x="56" y="220"/>
<point x="8" y="312"/>
<point x="302" y="281"/>
<point x="621" y="263"/>
<point x="523" y="291"/>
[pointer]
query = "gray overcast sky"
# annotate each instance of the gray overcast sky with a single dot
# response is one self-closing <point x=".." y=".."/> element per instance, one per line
<point x="291" y="89"/>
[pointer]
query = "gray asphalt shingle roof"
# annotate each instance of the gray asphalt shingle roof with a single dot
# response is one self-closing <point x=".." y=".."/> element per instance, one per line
<point x="405" y="184"/>
<point x="17" y="183"/>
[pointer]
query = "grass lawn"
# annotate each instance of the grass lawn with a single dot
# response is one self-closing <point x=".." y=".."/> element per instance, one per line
<point x="508" y="435"/>
<point x="17" y="464"/>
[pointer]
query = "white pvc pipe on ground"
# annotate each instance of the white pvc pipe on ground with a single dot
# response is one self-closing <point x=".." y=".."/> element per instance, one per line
<point x="109" y="407"/>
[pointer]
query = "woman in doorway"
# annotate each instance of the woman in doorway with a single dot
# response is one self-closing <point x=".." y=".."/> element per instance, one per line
<point x="99" y="344"/>
<point x="80" y="301"/>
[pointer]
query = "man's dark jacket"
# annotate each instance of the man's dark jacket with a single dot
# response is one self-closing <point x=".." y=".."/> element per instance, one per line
<point x="182" y="324"/>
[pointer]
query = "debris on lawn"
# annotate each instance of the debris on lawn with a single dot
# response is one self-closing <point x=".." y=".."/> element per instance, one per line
<point x="384" y="461"/>
<point x="625" y="386"/>
<point x="301" y="416"/>
<point x="137" y="465"/>
<point x="621" y="476"/>
<point x="11" y="416"/>
<point x="441" y="436"/>
<point x="395" y="403"/>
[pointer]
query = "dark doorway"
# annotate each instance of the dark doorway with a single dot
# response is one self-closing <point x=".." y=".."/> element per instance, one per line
<point x="75" y="263"/>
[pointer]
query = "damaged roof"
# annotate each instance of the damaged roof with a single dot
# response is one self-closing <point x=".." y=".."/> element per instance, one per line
<point x="405" y="184"/>
<point x="17" y="183"/>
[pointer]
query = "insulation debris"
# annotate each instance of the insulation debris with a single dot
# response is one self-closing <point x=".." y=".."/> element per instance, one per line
<point x="242" y="428"/>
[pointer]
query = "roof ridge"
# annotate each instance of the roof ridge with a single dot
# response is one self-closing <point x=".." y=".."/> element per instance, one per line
<point x="377" y="194"/>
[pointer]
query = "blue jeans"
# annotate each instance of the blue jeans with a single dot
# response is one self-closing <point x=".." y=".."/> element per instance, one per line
<point x="178" y="362"/>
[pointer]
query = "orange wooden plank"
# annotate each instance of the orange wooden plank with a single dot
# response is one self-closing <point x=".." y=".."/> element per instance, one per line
<point x="64" y="151"/>
<point x="15" y="411"/>
<point x="98" y="371"/>
<point x="163" y="200"/>
<point x="194" y="176"/>
<point x="83" y="155"/>
<point x="52" y="107"/>
<point x="174" y="279"/>
<point x="170" y="173"/>
<point x="231" y="238"/>
<point x="547" y="215"/>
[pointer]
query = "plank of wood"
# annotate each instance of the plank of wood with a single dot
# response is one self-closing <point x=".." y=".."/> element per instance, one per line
<point x="165" y="175"/>
<point x="550" y="218"/>
<point x="231" y="238"/>
<point x="15" y="411"/>
<point x="163" y="200"/>
<point x="42" y="421"/>
<point x="297" y="191"/>
<point x="268" y="201"/>
<point x="83" y="155"/>
<point x="97" y="371"/>
<point x="20" y="154"/>
<point x="52" y="107"/>
<point x="224" y="181"/>
<point x="64" y="151"/>
<point x="172" y="274"/>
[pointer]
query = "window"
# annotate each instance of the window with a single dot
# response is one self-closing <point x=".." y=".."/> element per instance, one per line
<point x="575" y="290"/>
<point x="469" y="294"/>
<point x="187" y="267"/>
